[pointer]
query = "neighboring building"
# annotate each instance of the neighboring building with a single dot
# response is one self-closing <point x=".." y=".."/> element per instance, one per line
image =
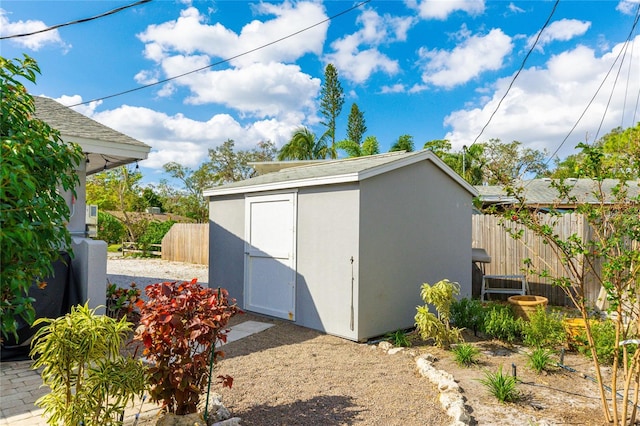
<point x="104" y="149"/>
<point x="540" y="194"/>
<point x="342" y="246"/>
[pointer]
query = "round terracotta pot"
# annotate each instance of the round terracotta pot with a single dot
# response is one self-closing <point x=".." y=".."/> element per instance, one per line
<point x="525" y="306"/>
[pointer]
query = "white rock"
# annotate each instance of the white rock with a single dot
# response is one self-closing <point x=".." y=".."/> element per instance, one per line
<point x="385" y="346"/>
<point x="394" y="351"/>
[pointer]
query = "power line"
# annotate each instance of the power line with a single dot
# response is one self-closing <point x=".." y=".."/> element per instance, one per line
<point x="78" y="21"/>
<point x="513" y="80"/>
<point x="356" y="6"/>
<point x="633" y="27"/>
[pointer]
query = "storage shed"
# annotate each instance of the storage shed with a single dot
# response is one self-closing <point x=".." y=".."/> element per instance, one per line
<point x="342" y="246"/>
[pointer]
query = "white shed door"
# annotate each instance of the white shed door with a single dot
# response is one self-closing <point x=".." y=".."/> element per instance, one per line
<point x="270" y="266"/>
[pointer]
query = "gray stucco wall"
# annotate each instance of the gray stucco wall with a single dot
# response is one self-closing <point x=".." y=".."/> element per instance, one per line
<point x="226" y="245"/>
<point x="415" y="227"/>
<point x="327" y="239"/>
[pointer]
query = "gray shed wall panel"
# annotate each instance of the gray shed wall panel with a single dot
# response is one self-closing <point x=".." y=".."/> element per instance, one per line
<point x="226" y="245"/>
<point x="415" y="227"/>
<point x="327" y="239"/>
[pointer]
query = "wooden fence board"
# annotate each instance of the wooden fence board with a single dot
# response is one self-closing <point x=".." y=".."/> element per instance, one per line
<point x="187" y="242"/>
<point x="508" y="254"/>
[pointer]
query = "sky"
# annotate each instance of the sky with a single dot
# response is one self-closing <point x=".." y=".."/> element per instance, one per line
<point x="432" y="69"/>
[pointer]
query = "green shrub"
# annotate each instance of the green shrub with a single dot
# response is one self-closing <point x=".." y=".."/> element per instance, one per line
<point x="468" y="313"/>
<point x="441" y="295"/>
<point x="501" y="324"/>
<point x="544" y="330"/>
<point x="465" y="354"/>
<point x="110" y="229"/>
<point x="604" y="335"/>
<point x="153" y="233"/>
<point x="502" y="386"/>
<point x="540" y="359"/>
<point x="90" y="382"/>
<point x="121" y="302"/>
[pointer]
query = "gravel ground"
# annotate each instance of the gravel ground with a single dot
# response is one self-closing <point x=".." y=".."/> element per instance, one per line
<point x="290" y="375"/>
<point x="125" y="270"/>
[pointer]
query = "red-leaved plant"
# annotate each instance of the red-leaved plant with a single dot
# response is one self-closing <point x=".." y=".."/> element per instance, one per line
<point x="180" y="325"/>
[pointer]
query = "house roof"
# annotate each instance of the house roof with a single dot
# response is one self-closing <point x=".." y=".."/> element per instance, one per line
<point x="336" y="171"/>
<point x="540" y="193"/>
<point x="102" y="145"/>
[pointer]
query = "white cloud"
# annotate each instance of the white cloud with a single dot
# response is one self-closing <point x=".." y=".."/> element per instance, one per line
<point x="562" y="30"/>
<point x="394" y="88"/>
<point x="357" y="55"/>
<point x="441" y="9"/>
<point x="190" y="34"/>
<point x="466" y="61"/>
<point x="545" y="102"/>
<point x="628" y="7"/>
<point x="260" y="84"/>
<point x="86" y="109"/>
<point x="261" y="90"/>
<point x="187" y="141"/>
<point x="34" y="42"/>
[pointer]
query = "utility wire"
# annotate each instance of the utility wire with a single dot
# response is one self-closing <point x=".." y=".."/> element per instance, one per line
<point x="513" y="80"/>
<point x="330" y="18"/>
<point x="633" y="27"/>
<point x="79" y="21"/>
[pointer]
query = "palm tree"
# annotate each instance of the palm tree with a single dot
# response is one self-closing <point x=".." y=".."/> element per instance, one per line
<point x="370" y="146"/>
<point x="303" y="146"/>
<point x="404" y="143"/>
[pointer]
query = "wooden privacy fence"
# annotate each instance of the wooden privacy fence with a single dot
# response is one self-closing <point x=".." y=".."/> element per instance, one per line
<point x="187" y="242"/>
<point x="508" y="254"/>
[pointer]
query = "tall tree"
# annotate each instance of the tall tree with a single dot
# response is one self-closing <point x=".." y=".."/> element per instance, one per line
<point x="403" y="143"/>
<point x="620" y="150"/>
<point x="468" y="163"/>
<point x="356" y="125"/>
<point x="508" y="161"/>
<point x="226" y="164"/>
<point x="303" y="145"/>
<point x="331" y="102"/>
<point x="36" y="163"/>
<point x="189" y="202"/>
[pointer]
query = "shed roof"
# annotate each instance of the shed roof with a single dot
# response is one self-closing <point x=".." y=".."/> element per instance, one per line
<point x="336" y="171"/>
<point x="539" y="192"/>
<point x="102" y="144"/>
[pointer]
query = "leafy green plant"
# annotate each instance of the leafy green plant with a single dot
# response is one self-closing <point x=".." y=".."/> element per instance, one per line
<point x="91" y="382"/>
<point x="502" y="386"/>
<point x="540" y="359"/>
<point x="110" y="229"/>
<point x="544" y="329"/>
<point x="33" y="214"/>
<point x="153" y="233"/>
<point x="441" y="295"/>
<point x="180" y="325"/>
<point x="604" y="337"/>
<point x="465" y="354"/>
<point x="468" y="313"/>
<point x="122" y="302"/>
<point x="399" y="338"/>
<point x="501" y="324"/>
